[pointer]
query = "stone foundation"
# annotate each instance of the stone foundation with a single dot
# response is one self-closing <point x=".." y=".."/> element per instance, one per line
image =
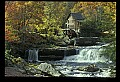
<point x="54" y="53"/>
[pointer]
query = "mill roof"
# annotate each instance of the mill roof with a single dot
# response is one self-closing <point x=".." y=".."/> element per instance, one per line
<point x="77" y="16"/>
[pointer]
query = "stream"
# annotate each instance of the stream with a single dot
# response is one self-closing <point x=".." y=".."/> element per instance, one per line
<point x="86" y="55"/>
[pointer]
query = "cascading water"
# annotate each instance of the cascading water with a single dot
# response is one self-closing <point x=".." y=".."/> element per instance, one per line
<point x="87" y="54"/>
<point x="33" y="55"/>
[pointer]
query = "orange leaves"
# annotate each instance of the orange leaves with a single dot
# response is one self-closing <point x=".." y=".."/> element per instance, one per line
<point x="10" y="36"/>
<point x="10" y="8"/>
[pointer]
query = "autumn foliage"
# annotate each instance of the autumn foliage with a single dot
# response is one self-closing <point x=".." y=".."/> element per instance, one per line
<point x="32" y="23"/>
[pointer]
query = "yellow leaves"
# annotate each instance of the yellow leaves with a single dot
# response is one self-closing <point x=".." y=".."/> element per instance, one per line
<point x="19" y="3"/>
<point x="107" y="9"/>
<point x="110" y="6"/>
<point x="6" y="15"/>
<point x="110" y="9"/>
<point x="114" y="18"/>
<point x="28" y="3"/>
<point x="37" y="27"/>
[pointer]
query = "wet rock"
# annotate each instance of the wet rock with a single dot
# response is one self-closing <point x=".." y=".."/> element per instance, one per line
<point x="81" y="68"/>
<point x="90" y="68"/>
<point x="100" y="70"/>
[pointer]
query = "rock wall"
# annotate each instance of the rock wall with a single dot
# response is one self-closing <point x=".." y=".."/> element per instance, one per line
<point x="53" y="53"/>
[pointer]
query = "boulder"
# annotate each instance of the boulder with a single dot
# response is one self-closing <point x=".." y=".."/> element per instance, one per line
<point x="81" y="68"/>
<point x="49" y="70"/>
<point x="91" y="68"/>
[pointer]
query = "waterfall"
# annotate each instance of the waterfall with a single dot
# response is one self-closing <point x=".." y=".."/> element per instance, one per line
<point x="33" y="55"/>
<point x="74" y="42"/>
<point x="87" y="54"/>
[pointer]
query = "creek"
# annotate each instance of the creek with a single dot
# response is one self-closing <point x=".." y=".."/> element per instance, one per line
<point x="85" y="56"/>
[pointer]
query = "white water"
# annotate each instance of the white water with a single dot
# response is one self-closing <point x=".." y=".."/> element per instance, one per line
<point x="33" y="55"/>
<point x="86" y="54"/>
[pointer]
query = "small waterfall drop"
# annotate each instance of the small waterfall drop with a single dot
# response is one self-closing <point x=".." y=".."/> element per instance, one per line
<point x="87" y="54"/>
<point x="33" y="55"/>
